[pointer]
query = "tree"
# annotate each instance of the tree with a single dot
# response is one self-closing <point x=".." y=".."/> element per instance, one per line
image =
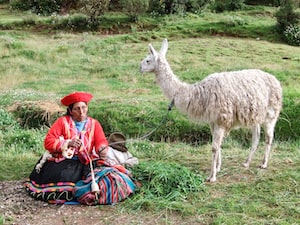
<point x="286" y="15"/>
<point x="94" y="8"/>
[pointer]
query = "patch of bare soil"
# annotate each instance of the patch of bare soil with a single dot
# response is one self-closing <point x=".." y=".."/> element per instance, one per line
<point x="18" y="208"/>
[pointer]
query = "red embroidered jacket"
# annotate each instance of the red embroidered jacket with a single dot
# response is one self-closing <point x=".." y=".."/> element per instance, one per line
<point x="64" y="130"/>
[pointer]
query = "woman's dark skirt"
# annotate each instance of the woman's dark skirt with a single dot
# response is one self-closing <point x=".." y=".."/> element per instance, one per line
<point x="56" y="180"/>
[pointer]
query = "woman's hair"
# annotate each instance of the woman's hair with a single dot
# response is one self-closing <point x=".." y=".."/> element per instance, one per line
<point x="69" y="109"/>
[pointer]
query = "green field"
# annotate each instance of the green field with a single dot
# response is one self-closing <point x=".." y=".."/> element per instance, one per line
<point x="42" y="65"/>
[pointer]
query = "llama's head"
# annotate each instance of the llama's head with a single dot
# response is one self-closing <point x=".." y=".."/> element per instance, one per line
<point x="151" y="62"/>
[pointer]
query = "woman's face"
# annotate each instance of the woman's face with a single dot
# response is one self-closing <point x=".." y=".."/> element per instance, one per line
<point x="79" y="111"/>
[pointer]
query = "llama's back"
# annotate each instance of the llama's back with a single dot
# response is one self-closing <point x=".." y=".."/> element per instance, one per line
<point x="238" y="98"/>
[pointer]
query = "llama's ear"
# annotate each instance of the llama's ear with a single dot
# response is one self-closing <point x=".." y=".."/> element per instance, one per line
<point x="164" y="47"/>
<point x="151" y="49"/>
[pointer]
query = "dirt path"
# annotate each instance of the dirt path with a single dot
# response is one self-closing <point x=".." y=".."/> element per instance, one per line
<point x="18" y="208"/>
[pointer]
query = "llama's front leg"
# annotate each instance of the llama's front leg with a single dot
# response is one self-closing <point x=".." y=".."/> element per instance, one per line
<point x="255" y="141"/>
<point x="219" y="160"/>
<point x="269" y="139"/>
<point x="213" y="170"/>
<point x="218" y="134"/>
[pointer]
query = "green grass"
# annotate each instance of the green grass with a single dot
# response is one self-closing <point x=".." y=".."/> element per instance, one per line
<point x="48" y="64"/>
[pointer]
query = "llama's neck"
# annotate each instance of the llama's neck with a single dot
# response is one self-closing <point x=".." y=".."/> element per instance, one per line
<point x="182" y="93"/>
<point x="171" y="86"/>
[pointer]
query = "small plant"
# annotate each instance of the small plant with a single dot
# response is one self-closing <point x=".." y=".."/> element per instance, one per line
<point x="163" y="178"/>
<point x="292" y="35"/>
<point x="7" y="121"/>
<point x="165" y="183"/>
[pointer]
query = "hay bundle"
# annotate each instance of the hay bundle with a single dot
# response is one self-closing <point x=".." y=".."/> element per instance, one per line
<point x="36" y="114"/>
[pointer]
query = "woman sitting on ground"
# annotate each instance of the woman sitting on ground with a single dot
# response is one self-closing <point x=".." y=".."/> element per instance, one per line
<point x="72" y="142"/>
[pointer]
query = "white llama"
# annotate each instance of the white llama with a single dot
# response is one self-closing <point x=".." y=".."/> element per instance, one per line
<point x="227" y="100"/>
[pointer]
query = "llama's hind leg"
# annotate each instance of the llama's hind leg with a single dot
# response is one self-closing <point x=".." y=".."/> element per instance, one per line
<point x="269" y="130"/>
<point x="217" y="136"/>
<point x="255" y="142"/>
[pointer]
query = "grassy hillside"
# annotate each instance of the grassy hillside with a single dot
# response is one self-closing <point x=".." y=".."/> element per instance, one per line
<point x="40" y="64"/>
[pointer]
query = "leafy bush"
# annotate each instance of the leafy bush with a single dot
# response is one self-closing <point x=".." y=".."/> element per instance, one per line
<point x="47" y="7"/>
<point x="292" y="35"/>
<point x="94" y="8"/>
<point x="43" y="7"/>
<point x="228" y="5"/>
<point x="8" y="121"/>
<point x="176" y="6"/>
<point x="263" y="2"/>
<point x="286" y="16"/>
<point x="22" y="5"/>
<point x="133" y="8"/>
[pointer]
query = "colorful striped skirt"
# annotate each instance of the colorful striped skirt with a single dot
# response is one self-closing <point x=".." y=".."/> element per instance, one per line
<point x="114" y="187"/>
<point x="55" y="193"/>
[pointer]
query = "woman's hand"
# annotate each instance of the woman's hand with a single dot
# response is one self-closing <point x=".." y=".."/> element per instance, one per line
<point x="75" y="143"/>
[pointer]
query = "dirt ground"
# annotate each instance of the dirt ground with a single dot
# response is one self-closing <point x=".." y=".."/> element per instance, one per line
<point x="18" y="208"/>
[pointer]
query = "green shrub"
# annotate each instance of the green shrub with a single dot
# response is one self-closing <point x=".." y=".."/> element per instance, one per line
<point x="22" y="5"/>
<point x="43" y="7"/>
<point x="158" y="7"/>
<point x="8" y="121"/>
<point x="195" y="6"/>
<point x="263" y="2"/>
<point x="228" y="5"/>
<point x="292" y="35"/>
<point x="134" y="8"/>
<point x="47" y="7"/>
<point x="286" y="16"/>
<point x="94" y="8"/>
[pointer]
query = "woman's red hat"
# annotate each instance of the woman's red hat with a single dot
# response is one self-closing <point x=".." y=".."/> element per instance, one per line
<point x="76" y="97"/>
